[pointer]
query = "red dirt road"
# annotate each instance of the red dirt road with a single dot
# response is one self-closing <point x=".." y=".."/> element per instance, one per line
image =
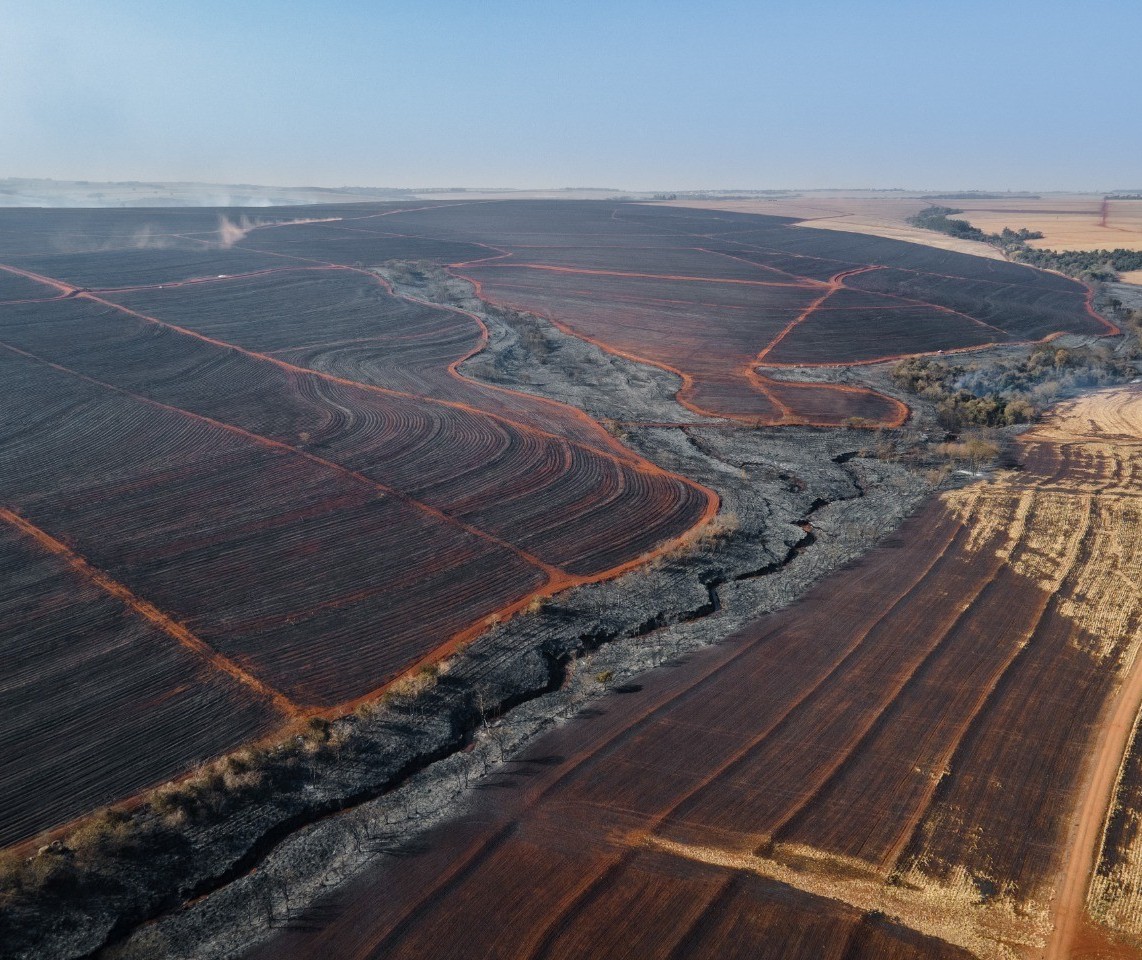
<point x="502" y="498"/>
<point x="910" y="746"/>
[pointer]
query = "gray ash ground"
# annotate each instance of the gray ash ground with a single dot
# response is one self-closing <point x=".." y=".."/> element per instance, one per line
<point x="797" y="503"/>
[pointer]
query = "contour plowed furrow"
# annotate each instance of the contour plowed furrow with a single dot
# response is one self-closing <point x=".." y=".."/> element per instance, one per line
<point x="669" y="895"/>
<point x="785" y="667"/>
<point x="1016" y="819"/>
<point x="803" y="750"/>
<point x="869" y="808"/>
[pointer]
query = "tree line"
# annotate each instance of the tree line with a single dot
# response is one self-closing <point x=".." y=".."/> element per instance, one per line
<point x="1084" y="264"/>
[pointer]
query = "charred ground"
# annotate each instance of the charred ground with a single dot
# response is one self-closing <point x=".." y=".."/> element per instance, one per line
<point x="300" y="399"/>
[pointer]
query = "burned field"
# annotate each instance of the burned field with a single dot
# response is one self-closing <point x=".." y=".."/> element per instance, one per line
<point x="922" y="759"/>
<point x="307" y="535"/>
<point x="264" y="478"/>
<point x="721" y="298"/>
<point x="128" y="684"/>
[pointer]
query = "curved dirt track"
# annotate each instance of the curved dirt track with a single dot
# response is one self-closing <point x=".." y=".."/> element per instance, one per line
<point x="1106" y="419"/>
<point x="428" y="510"/>
<point x="647" y="283"/>
<point x="907" y="750"/>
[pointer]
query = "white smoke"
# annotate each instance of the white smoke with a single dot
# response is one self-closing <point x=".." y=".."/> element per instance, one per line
<point x="229" y="232"/>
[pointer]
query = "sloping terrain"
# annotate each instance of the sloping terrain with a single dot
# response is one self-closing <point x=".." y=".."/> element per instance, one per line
<point x="719" y="297"/>
<point x="93" y="678"/>
<point x="917" y="760"/>
<point x="316" y="534"/>
<point x="232" y="422"/>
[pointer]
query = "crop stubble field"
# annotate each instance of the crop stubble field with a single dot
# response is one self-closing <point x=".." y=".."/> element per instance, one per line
<point x="270" y="482"/>
<point x="916" y="761"/>
<point x="1066" y="224"/>
<point x="1067" y="221"/>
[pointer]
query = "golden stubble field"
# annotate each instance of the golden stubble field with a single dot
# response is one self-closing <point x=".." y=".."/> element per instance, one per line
<point x="879" y="215"/>
<point x="1072" y="525"/>
<point x="1067" y="221"/>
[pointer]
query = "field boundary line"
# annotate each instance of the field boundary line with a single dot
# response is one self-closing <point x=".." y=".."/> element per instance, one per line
<point x="148" y="611"/>
<point x="835" y="283"/>
<point x="552" y="571"/>
<point x="865" y="894"/>
<point x="677" y="278"/>
<point x="762" y="266"/>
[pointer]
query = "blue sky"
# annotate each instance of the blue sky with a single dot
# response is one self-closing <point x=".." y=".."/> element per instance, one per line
<point x="629" y="94"/>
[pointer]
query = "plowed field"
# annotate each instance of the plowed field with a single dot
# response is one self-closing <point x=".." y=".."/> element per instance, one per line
<point x="245" y="439"/>
<point x="918" y="760"/>
<point x="719" y="297"/>
<point x="232" y="485"/>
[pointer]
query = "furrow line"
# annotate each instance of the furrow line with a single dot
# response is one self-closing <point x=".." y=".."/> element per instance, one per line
<point x="148" y="611"/>
<point x="838" y="764"/>
<point x="555" y="574"/>
<point x="741" y="754"/>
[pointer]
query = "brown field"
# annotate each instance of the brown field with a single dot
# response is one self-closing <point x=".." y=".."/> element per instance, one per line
<point x="285" y="493"/>
<point x="918" y="760"/>
<point x="716" y="299"/>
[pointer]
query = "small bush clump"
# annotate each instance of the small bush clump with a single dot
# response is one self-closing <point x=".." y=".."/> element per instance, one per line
<point x="1000" y="393"/>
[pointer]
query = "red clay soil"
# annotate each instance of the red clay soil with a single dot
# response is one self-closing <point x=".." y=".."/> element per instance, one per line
<point x="893" y="767"/>
<point x="717" y="298"/>
<point x="276" y="463"/>
<point x="309" y="535"/>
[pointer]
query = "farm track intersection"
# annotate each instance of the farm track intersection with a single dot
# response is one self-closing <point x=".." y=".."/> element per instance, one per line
<point x="715" y="340"/>
<point x="979" y="850"/>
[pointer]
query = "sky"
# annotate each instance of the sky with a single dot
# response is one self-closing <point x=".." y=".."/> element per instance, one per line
<point x="657" y="95"/>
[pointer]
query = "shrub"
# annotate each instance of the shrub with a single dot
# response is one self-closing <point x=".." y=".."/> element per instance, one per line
<point x="108" y="833"/>
<point x="51" y="870"/>
<point x="244" y="771"/>
<point x="1002" y="393"/>
<point x="11" y="875"/>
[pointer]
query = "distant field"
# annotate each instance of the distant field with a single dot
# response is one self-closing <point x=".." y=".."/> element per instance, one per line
<point x="917" y="761"/>
<point x="1068" y="222"/>
<point x="879" y="216"/>
<point x="1065" y="224"/>
<point x="718" y="297"/>
<point x="270" y="476"/>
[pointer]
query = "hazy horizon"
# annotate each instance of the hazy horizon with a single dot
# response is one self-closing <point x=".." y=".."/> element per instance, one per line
<point x="558" y="188"/>
<point x="636" y="96"/>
